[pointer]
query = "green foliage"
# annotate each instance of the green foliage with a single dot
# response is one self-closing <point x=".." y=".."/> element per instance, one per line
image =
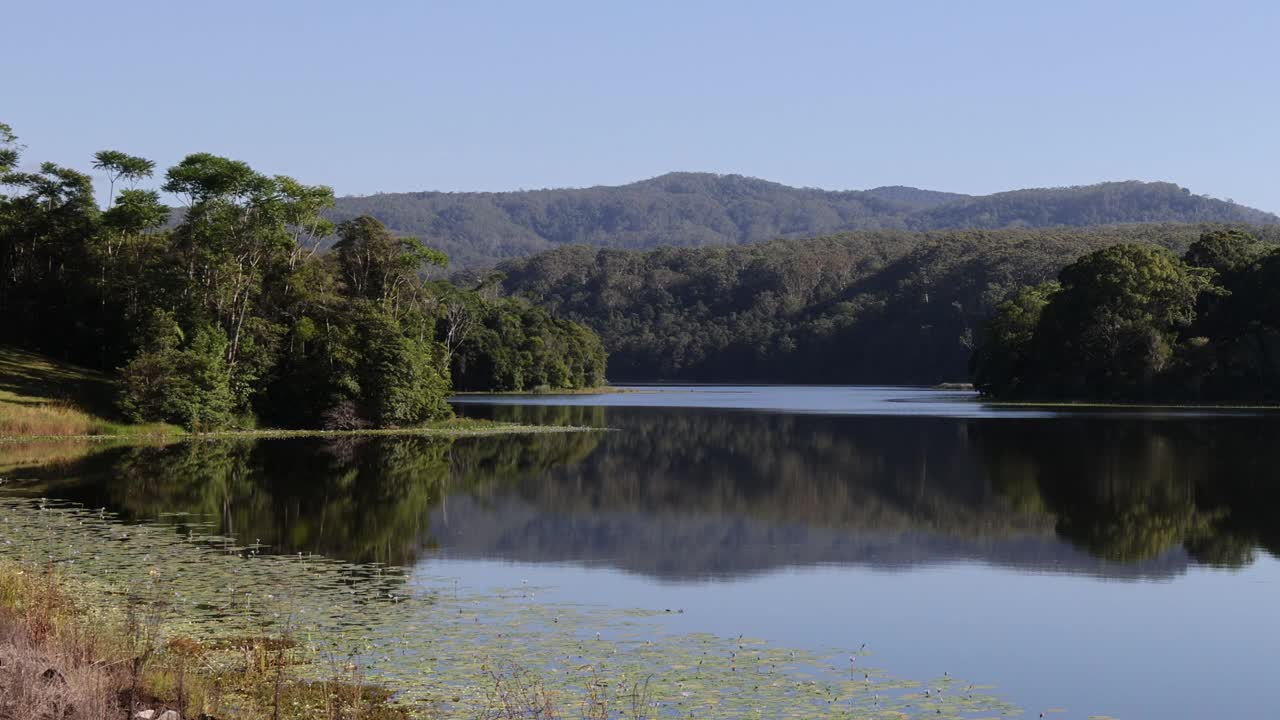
<point x="866" y="307"/>
<point x="517" y="346"/>
<point x="9" y="148"/>
<point x="231" y="312"/>
<point x="1000" y="361"/>
<point x="377" y="265"/>
<point x="1225" y="251"/>
<point x="700" y="209"/>
<point x="401" y="380"/>
<point x="182" y="383"/>
<point x="1110" y="333"/>
<point x="1137" y="323"/>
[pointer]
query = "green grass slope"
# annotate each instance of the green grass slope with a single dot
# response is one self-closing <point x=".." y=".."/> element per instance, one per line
<point x="43" y="397"/>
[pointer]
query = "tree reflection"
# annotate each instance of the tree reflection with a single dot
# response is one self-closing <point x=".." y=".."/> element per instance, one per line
<point x="693" y="492"/>
<point x="361" y="499"/>
<point x="1128" y="490"/>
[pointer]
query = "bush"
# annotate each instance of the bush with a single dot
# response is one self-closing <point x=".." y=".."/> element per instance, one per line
<point x="188" y="387"/>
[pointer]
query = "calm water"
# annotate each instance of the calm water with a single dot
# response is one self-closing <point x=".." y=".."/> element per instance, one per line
<point x="1115" y="563"/>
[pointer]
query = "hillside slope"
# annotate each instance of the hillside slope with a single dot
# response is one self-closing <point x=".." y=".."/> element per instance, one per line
<point x="27" y="378"/>
<point x="43" y="396"/>
<point x="885" y="306"/>
<point x="702" y="209"/>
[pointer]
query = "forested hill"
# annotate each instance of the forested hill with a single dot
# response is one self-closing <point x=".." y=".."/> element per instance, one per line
<point x="700" y="209"/>
<point x="882" y="306"/>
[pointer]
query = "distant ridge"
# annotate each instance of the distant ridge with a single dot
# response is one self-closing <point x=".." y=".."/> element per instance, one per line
<point x="689" y="209"/>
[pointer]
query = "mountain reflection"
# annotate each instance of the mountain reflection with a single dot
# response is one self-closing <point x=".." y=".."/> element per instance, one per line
<point x="686" y="493"/>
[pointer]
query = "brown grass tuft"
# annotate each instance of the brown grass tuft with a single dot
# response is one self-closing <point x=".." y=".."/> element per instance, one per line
<point x="61" y="660"/>
<point x="50" y="665"/>
<point x="48" y="419"/>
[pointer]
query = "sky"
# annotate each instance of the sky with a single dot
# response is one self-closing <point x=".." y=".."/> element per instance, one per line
<point x="966" y="96"/>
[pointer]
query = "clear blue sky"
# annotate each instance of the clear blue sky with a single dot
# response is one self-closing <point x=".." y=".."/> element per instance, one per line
<point x="968" y="96"/>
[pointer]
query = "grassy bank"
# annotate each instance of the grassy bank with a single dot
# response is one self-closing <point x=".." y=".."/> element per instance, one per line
<point x="451" y="428"/>
<point x="43" y="399"/>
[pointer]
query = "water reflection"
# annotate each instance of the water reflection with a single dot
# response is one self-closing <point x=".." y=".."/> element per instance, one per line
<point x="695" y="493"/>
<point x="692" y="493"/>
<point x="1128" y="491"/>
<point x="362" y="499"/>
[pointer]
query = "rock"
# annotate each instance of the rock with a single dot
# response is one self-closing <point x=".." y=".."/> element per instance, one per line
<point x="169" y="715"/>
<point x="144" y="715"/>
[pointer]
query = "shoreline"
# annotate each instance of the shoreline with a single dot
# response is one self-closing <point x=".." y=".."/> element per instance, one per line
<point x="608" y="390"/>
<point x="1113" y="405"/>
<point x="457" y="428"/>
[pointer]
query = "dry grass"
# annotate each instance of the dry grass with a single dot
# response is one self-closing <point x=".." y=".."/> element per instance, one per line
<point x="46" y="420"/>
<point x="63" y="660"/>
<point x="51" y="664"/>
<point x="60" y="660"/>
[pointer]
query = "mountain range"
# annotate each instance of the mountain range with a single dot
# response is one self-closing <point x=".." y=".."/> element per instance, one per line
<point x="479" y="229"/>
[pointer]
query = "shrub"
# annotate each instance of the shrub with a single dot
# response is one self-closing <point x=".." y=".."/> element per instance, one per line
<point x="188" y="387"/>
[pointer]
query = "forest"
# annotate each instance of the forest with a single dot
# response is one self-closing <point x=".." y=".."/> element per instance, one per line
<point x="702" y="209"/>
<point x="1140" y="323"/>
<point x="885" y="306"/>
<point x="230" y="313"/>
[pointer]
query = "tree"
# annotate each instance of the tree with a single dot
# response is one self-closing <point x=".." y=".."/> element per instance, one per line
<point x="376" y="264"/>
<point x="43" y="259"/>
<point x="176" y="382"/>
<point x="121" y="166"/>
<point x="1112" y="328"/>
<point x="401" y="380"/>
<point x="1225" y="251"/>
<point x="10" y="151"/>
<point x="236" y="230"/>
<point x="1003" y="360"/>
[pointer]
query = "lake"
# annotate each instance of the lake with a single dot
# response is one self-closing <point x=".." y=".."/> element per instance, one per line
<point x="1102" y="562"/>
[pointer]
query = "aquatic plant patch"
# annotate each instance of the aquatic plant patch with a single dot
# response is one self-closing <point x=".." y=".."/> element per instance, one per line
<point x="455" y="651"/>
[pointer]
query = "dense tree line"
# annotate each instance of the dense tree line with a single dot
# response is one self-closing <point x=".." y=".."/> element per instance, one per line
<point x="1134" y="322"/>
<point x="866" y="307"/>
<point x="232" y="312"/>
<point x="701" y="209"/>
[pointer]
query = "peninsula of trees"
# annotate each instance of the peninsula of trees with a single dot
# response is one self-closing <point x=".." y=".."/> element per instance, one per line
<point x="233" y="314"/>
<point x="1139" y="323"/>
